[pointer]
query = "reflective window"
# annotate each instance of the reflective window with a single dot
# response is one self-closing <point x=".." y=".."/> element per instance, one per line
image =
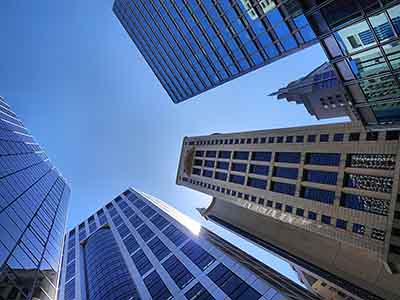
<point x="236" y="179"/>
<point x="207" y="173"/>
<point x="220" y="176"/>
<point x="157" y="288"/>
<point x="258" y="169"/>
<point x="323" y="159"/>
<point x="198" y="292"/>
<point x="209" y="163"/>
<point x="338" y="137"/>
<point x="222" y="165"/>
<point x="365" y="203"/>
<point x="224" y="154"/>
<point x="141" y="262"/>
<point x="107" y="276"/>
<point x="291" y="173"/>
<point x="241" y="155"/>
<point x="261" y="156"/>
<point x="342" y="224"/>
<point x="284" y="188"/>
<point x="327" y="197"/>
<point x="232" y="284"/>
<point x="148" y="211"/>
<point x="237" y="167"/>
<point x="288" y="157"/>
<point x="175" y="235"/>
<point x="312" y="215"/>
<point x="178" y="272"/>
<point x="145" y="232"/>
<point x="158" y="248"/>
<point x="323" y="177"/>
<point x="131" y="244"/>
<point x="198" y="255"/>
<point x="326" y="219"/>
<point x="159" y="221"/>
<point x="211" y="154"/>
<point x="358" y="228"/>
<point x="257" y="183"/>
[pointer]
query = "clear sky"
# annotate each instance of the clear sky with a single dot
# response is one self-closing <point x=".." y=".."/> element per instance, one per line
<point x="78" y="82"/>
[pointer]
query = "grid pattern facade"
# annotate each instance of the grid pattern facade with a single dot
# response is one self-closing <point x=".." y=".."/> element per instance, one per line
<point x="336" y="181"/>
<point x="164" y="259"/>
<point x="361" y="39"/>
<point x="33" y="203"/>
<point x="193" y="46"/>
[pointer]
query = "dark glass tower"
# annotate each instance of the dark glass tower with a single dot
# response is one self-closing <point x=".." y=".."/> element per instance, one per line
<point x="138" y="247"/>
<point x="193" y="46"/>
<point x="361" y="40"/>
<point x="33" y="203"/>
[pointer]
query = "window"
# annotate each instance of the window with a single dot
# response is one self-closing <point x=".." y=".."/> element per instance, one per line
<point x="300" y="139"/>
<point x="175" y="235"/>
<point x="300" y="212"/>
<point x="354" y="136"/>
<point x="220" y="176"/>
<point x="178" y="272"/>
<point x="222" y="165"/>
<point x="123" y="231"/>
<point x="311" y="138"/>
<point x="209" y="163"/>
<point x="69" y="292"/>
<point x="269" y="203"/>
<point x="70" y="271"/>
<point x="324" y="138"/>
<point x="148" y="211"/>
<point x="232" y="285"/>
<point x="278" y="206"/>
<point x="156" y="287"/>
<point x="327" y="197"/>
<point x="279" y="139"/>
<point x="211" y="154"/>
<point x="199" y="153"/>
<point x="261" y="156"/>
<point x="365" y="203"/>
<point x="248" y="141"/>
<point x="289" y="209"/>
<point x="358" y="228"/>
<point x="198" y="255"/>
<point x="260" y="170"/>
<point x="312" y="215"/>
<point x="263" y="140"/>
<point x="326" y="219"/>
<point x="284" y="188"/>
<point x="372" y="136"/>
<point x="257" y="183"/>
<point x="158" y="248"/>
<point x="342" y="224"/>
<point x="198" y="292"/>
<point x="288" y="157"/>
<point x="159" y="221"/>
<point x="271" y="140"/>
<point x="131" y="244"/>
<point x="255" y="141"/>
<point x="207" y="173"/>
<point x="261" y="201"/>
<point x="136" y="221"/>
<point x="241" y="155"/>
<point x="290" y="173"/>
<point x="145" y="232"/>
<point x="142" y="263"/>
<point x="392" y="135"/>
<point x="224" y="154"/>
<point x="236" y="179"/>
<point x="338" y="137"/>
<point x="320" y="177"/>
<point x="117" y="220"/>
<point x="289" y="139"/>
<point x="237" y="167"/>
<point x="196" y="171"/>
<point x="323" y="159"/>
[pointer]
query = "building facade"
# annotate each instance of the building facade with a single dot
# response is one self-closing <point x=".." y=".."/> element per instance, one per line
<point x="323" y="197"/>
<point x="361" y="40"/>
<point x="33" y="202"/>
<point x="137" y="247"/>
<point x="321" y="93"/>
<point x="193" y="46"/>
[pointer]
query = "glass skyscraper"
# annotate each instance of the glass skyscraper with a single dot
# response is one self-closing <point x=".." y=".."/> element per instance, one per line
<point x="33" y="203"/>
<point x="193" y="46"/>
<point x="361" y="40"/>
<point x="138" y="247"/>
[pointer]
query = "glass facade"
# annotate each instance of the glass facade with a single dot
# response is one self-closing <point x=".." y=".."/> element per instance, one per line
<point x="163" y="256"/>
<point x="193" y="46"/>
<point x="361" y="39"/>
<point x="33" y="203"/>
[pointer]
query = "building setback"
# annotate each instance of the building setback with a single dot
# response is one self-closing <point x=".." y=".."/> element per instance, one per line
<point x="193" y="46"/>
<point x="324" y="197"/>
<point x="138" y="247"/>
<point x="33" y="202"/>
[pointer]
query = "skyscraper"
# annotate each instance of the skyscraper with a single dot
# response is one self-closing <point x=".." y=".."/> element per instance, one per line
<point x="361" y="40"/>
<point x="33" y="203"/>
<point x="138" y="247"/>
<point x="321" y="93"/>
<point x="193" y="46"/>
<point x="323" y="197"/>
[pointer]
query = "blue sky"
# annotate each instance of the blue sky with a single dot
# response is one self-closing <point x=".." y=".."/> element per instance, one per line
<point x="79" y="84"/>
